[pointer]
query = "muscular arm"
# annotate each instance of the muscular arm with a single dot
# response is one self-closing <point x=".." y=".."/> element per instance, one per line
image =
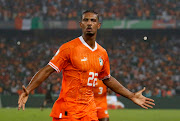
<point x="137" y="97"/>
<point x="39" y="77"/>
<point x="115" y="86"/>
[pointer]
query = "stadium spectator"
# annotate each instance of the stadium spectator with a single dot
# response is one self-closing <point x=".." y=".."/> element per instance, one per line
<point x="109" y="9"/>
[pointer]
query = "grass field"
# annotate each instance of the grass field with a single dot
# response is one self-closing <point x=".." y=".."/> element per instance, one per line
<point x="34" y="114"/>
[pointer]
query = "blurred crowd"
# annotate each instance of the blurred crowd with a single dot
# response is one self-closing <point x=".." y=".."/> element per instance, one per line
<point x="21" y="58"/>
<point x="153" y="64"/>
<point x="72" y="9"/>
<point x="136" y="63"/>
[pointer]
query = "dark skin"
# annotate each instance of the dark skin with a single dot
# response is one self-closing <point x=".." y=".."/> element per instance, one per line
<point x="104" y="119"/>
<point x="89" y="25"/>
<point x="37" y="79"/>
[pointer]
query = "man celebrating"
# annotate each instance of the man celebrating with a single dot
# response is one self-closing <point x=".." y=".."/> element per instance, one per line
<point x="82" y="61"/>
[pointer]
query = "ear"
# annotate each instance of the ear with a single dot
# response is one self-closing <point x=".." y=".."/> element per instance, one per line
<point x="99" y="25"/>
<point x="80" y="24"/>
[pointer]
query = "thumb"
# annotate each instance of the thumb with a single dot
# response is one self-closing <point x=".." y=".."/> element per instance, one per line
<point x="142" y="90"/>
<point x="25" y="90"/>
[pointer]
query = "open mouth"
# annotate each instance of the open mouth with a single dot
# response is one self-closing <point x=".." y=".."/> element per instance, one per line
<point x="89" y="29"/>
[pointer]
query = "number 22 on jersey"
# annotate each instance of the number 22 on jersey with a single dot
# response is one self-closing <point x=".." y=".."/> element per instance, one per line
<point x="92" y="79"/>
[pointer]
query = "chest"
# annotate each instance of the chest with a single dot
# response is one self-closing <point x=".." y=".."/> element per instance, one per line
<point x="84" y="59"/>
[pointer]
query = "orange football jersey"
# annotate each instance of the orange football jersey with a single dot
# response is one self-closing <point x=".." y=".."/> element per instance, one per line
<point x="100" y="94"/>
<point x="81" y="66"/>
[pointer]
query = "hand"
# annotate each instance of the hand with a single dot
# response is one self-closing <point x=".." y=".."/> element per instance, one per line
<point x="23" y="98"/>
<point x="142" y="101"/>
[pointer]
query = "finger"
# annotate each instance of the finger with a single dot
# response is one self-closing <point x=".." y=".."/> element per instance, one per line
<point x="143" y="106"/>
<point x="19" y="106"/>
<point x="20" y="98"/>
<point x="19" y="101"/>
<point x="24" y="89"/>
<point x="142" y="90"/>
<point x="148" y="99"/>
<point x="149" y="103"/>
<point x="23" y="107"/>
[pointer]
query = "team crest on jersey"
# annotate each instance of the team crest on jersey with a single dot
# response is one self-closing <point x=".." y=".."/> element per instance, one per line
<point x="100" y="61"/>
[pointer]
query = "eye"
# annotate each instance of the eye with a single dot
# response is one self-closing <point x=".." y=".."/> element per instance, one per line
<point x="93" y="20"/>
<point x="85" y="19"/>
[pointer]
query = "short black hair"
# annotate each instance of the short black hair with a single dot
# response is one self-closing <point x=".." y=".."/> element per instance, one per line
<point x="90" y="11"/>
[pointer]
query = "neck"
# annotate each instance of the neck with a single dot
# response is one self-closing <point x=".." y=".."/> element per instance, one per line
<point x="90" y="40"/>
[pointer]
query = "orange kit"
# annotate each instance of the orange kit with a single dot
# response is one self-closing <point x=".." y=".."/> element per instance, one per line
<point x="100" y="93"/>
<point x="81" y="66"/>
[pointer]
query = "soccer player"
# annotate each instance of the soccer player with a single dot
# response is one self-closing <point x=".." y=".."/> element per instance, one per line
<point x="82" y="61"/>
<point x="100" y="94"/>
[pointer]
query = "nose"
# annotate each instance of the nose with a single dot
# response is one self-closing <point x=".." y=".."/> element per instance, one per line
<point x="89" y="22"/>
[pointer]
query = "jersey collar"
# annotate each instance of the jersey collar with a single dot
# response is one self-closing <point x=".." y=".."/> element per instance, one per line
<point x="82" y="40"/>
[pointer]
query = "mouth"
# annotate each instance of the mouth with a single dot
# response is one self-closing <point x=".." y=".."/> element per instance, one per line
<point x="89" y="29"/>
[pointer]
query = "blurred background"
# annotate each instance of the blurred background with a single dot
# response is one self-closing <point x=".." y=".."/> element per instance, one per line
<point x="142" y="38"/>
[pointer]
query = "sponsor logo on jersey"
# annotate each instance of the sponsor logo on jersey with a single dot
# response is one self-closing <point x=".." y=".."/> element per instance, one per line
<point x="84" y="59"/>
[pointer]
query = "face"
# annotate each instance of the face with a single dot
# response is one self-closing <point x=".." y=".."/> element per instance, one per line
<point x="90" y="24"/>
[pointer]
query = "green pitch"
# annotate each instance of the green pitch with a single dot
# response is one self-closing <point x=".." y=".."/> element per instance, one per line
<point x="34" y="114"/>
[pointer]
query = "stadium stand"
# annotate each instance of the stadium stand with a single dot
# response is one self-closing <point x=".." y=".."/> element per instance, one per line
<point x="152" y="63"/>
<point x="71" y="9"/>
